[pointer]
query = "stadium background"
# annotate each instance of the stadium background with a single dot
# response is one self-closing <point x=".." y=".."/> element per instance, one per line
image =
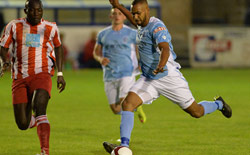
<point x="78" y="18"/>
<point x="212" y="41"/>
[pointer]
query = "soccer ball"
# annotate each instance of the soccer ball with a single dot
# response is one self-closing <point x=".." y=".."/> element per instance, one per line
<point x="121" y="150"/>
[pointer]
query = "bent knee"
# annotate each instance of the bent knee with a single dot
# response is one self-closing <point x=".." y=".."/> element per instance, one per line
<point x="22" y="125"/>
<point x="127" y="106"/>
<point x="195" y="110"/>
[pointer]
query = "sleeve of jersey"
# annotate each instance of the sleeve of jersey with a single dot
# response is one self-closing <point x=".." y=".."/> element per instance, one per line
<point x="56" y="39"/>
<point x="99" y="38"/>
<point x="6" y="39"/>
<point x="161" y="34"/>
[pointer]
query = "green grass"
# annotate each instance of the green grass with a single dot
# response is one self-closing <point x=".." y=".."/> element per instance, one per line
<point x="81" y="119"/>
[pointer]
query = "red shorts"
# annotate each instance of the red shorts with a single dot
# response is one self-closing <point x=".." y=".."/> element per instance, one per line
<point x="23" y="89"/>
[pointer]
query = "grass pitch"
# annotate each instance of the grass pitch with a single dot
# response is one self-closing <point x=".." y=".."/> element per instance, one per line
<point x="81" y="119"/>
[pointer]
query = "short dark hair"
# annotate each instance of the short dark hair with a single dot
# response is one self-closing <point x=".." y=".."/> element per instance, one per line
<point x="28" y="2"/>
<point x="139" y="1"/>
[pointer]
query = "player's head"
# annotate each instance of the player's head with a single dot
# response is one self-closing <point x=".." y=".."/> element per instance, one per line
<point x="117" y="17"/>
<point x="34" y="11"/>
<point x="140" y="12"/>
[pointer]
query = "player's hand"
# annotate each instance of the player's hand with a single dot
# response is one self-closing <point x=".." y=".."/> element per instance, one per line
<point x="3" y="67"/>
<point x="105" y="61"/>
<point x="60" y="83"/>
<point x="159" y="70"/>
<point x="114" y="3"/>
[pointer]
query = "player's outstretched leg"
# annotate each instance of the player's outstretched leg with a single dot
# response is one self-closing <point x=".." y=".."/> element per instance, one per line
<point x="226" y="109"/>
<point x="207" y="107"/>
<point x="109" y="147"/>
<point x="141" y="115"/>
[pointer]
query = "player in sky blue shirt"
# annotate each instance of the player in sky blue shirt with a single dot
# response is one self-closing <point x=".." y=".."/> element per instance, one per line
<point x="115" y="49"/>
<point x="160" y="73"/>
<point x="148" y="39"/>
<point x="119" y="48"/>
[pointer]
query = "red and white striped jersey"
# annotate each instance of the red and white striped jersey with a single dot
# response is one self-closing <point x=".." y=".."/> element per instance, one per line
<point x="32" y="47"/>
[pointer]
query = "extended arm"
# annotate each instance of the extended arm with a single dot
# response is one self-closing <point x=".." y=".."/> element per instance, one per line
<point x="126" y="12"/>
<point x="164" y="47"/>
<point x="97" y="53"/>
<point x="3" y="56"/>
<point x="59" y="63"/>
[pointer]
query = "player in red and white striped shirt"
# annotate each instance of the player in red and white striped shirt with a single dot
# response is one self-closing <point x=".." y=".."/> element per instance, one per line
<point x="36" y="46"/>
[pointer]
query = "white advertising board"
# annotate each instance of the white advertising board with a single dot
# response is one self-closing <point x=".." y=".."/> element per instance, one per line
<point x="219" y="47"/>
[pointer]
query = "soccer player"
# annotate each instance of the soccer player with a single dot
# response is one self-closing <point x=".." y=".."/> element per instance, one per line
<point x="160" y="73"/>
<point x="36" y="47"/>
<point x="116" y="51"/>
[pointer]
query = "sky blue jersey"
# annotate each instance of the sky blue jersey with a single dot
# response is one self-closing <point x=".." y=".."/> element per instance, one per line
<point x="119" y="48"/>
<point x="148" y="39"/>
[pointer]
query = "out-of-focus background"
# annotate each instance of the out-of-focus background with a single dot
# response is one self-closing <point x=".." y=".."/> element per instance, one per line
<point x="212" y="42"/>
<point x="204" y="33"/>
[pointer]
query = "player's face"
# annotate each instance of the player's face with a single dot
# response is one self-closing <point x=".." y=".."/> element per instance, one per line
<point x="117" y="17"/>
<point x="140" y="12"/>
<point x="34" y="13"/>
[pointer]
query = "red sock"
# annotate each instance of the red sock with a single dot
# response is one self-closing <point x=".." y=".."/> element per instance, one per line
<point x="43" y="132"/>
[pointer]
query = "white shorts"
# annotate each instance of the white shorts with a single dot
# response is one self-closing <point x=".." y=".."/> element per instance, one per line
<point x="175" y="88"/>
<point x="118" y="88"/>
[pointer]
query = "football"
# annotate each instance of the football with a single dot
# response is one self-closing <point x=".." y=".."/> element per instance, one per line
<point x="121" y="150"/>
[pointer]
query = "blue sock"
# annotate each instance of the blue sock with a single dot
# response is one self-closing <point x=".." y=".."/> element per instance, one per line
<point x="211" y="106"/>
<point x="219" y="104"/>
<point x="126" y="127"/>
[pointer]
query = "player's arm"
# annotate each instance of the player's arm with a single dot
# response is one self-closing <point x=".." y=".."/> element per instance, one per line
<point x="165" y="52"/>
<point x="59" y="63"/>
<point x="6" y="41"/>
<point x="126" y="12"/>
<point x="4" y="63"/>
<point x="97" y="53"/>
